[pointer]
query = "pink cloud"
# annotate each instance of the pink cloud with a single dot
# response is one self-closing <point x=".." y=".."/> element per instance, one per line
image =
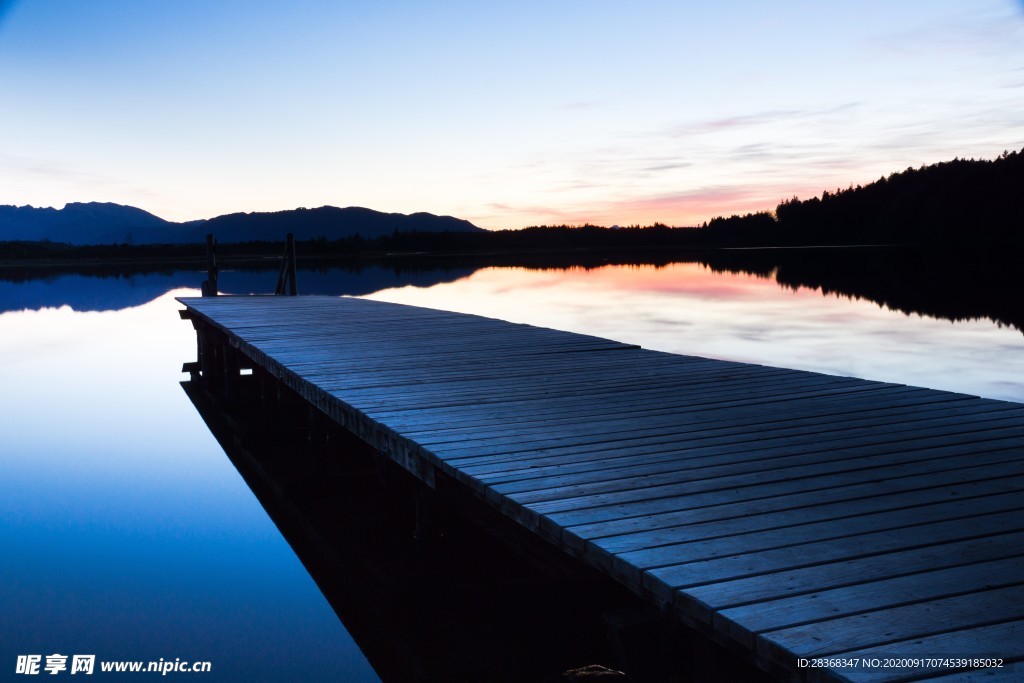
<point x="686" y="208"/>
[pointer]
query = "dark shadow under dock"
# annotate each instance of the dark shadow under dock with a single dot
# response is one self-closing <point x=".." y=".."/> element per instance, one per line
<point x="434" y="585"/>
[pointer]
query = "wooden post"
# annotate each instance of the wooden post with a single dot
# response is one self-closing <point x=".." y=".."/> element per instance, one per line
<point x="210" y="284"/>
<point x="293" y="287"/>
<point x="286" y="276"/>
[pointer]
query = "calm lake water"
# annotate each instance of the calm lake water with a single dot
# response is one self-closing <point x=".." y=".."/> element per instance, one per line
<point x="126" y="533"/>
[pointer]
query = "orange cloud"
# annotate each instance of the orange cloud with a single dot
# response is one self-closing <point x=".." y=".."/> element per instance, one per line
<point x="688" y="208"/>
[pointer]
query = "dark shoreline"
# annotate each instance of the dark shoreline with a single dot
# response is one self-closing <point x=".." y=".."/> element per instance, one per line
<point x="264" y="258"/>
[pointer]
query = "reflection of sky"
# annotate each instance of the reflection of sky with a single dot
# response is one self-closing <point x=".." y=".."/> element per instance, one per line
<point x="124" y="530"/>
<point x="98" y="293"/>
<point x="685" y="308"/>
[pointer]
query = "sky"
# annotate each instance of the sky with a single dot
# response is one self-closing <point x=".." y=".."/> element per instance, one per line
<point x="505" y="114"/>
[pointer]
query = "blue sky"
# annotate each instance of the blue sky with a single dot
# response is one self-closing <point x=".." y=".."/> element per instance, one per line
<point x="507" y="114"/>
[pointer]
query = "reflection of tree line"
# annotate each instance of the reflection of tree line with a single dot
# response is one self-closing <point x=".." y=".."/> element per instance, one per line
<point x="941" y="283"/>
<point x="960" y="285"/>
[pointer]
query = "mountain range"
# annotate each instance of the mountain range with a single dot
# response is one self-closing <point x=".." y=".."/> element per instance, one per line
<point x="106" y="223"/>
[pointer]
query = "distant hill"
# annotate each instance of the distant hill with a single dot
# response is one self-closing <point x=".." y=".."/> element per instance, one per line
<point x="329" y="223"/>
<point x="90" y="223"/>
<point x="107" y="223"/>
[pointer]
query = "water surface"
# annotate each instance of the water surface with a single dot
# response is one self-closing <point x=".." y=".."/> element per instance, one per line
<point x="126" y="533"/>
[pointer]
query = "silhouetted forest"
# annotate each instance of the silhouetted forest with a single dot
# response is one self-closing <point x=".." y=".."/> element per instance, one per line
<point x="959" y="202"/>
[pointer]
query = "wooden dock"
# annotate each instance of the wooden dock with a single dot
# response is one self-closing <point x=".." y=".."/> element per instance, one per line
<point x="792" y="516"/>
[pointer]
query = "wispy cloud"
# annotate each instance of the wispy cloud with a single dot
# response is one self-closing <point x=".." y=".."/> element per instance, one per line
<point x="696" y="203"/>
<point x="970" y="34"/>
<point x="65" y="182"/>
<point x="666" y="167"/>
<point x="47" y="169"/>
<point x="754" y="120"/>
<point x="545" y="214"/>
<point x="692" y="206"/>
<point x="728" y="123"/>
<point x="686" y="173"/>
<point x="583" y="104"/>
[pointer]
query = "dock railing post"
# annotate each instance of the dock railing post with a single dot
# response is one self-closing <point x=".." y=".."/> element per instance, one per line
<point x="212" y="271"/>
<point x="286" y="276"/>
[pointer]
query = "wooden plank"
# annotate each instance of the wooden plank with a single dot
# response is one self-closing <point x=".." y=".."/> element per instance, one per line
<point x="693" y="422"/>
<point x="635" y="418"/>
<point x="412" y="370"/>
<point x="849" y="601"/>
<point x="570" y="413"/>
<point x="714" y="524"/>
<point x="541" y="487"/>
<point x="844" y="530"/>
<point x="770" y="411"/>
<point x="533" y="473"/>
<point x="444" y="393"/>
<point x="669" y="581"/>
<point x="605" y="403"/>
<point x="1010" y="437"/>
<point x="633" y="515"/>
<point x="741" y="399"/>
<point x="453" y="394"/>
<point x="875" y="431"/>
<point x="705" y="601"/>
<point x="888" y="627"/>
<point x="944" y="474"/>
<point x="571" y="408"/>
